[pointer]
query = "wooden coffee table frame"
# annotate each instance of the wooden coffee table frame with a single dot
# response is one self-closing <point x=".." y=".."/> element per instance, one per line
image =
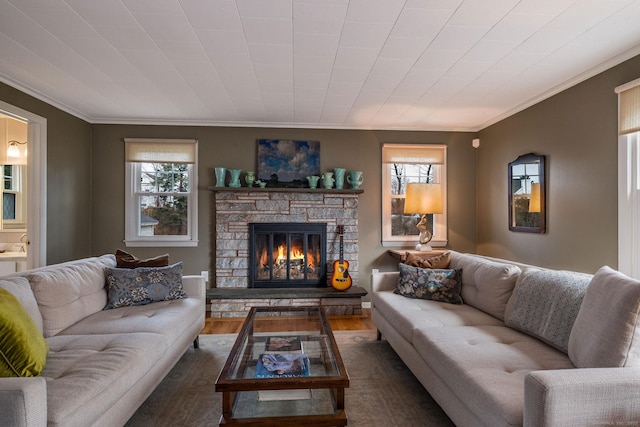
<point x="230" y="386"/>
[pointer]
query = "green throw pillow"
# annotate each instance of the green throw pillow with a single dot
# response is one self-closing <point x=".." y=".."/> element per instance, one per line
<point x="23" y="349"/>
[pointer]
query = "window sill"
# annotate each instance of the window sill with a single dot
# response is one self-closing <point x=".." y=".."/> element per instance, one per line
<point x="160" y="243"/>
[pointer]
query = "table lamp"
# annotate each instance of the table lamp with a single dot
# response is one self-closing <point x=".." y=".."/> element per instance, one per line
<point x="534" y="201"/>
<point x="423" y="199"/>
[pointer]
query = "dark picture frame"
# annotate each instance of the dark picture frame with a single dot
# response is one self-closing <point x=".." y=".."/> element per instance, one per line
<point x="527" y="205"/>
<point x="287" y="163"/>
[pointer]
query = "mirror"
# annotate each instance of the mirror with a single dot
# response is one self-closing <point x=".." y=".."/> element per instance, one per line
<point x="527" y="194"/>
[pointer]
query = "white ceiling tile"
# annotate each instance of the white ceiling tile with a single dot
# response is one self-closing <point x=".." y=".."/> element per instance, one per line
<point x="212" y="15"/>
<point x="385" y="11"/>
<point x="481" y="12"/>
<point x="400" y="47"/>
<point x="315" y="44"/>
<point x="433" y="4"/>
<point x="356" y="57"/>
<point x="126" y="37"/>
<point x="274" y="72"/>
<point x="231" y="42"/>
<point x="166" y="27"/>
<point x="455" y="37"/>
<point x="490" y="50"/>
<point x="312" y="64"/>
<point x="267" y="31"/>
<point x="542" y="7"/>
<point x="318" y="81"/>
<point x="585" y="14"/>
<point x="517" y="27"/>
<point x="157" y="6"/>
<point x="439" y="59"/>
<point x="271" y="54"/>
<point x="365" y="34"/>
<point x="318" y="18"/>
<point x="349" y="74"/>
<point x="265" y="9"/>
<point x="420" y="23"/>
<point x="547" y="40"/>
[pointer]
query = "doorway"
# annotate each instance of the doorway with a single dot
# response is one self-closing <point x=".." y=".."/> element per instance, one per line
<point x="36" y="190"/>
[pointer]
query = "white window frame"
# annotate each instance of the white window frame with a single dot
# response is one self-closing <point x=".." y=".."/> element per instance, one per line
<point x="17" y="188"/>
<point x="133" y="193"/>
<point x="440" y="220"/>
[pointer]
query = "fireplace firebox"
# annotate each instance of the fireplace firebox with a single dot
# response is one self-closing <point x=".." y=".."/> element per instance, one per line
<point x="283" y="255"/>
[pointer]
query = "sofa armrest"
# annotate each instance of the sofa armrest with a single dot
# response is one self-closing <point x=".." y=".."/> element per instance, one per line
<point x="384" y="281"/>
<point x="194" y="286"/>
<point x="585" y="397"/>
<point x="23" y="402"/>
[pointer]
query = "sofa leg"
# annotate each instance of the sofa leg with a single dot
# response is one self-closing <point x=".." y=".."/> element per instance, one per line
<point x="378" y="335"/>
<point x="196" y="342"/>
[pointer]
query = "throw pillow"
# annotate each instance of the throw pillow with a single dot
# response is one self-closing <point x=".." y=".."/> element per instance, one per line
<point x="545" y="304"/>
<point x="127" y="260"/>
<point x="440" y="261"/>
<point x="432" y="284"/>
<point x="143" y="285"/>
<point x="23" y="349"/>
<point x="606" y="333"/>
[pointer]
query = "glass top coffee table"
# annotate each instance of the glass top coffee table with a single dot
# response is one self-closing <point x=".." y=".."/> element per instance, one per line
<point x="284" y="369"/>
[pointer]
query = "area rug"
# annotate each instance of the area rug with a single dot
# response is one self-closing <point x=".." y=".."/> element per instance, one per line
<point x="382" y="390"/>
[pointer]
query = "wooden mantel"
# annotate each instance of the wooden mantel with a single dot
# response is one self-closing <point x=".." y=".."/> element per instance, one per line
<point x="289" y="190"/>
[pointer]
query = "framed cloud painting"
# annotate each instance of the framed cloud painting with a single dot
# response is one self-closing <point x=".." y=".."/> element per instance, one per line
<point x="283" y="162"/>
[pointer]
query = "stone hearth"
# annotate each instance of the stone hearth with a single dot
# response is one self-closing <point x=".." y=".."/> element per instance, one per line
<point x="235" y="208"/>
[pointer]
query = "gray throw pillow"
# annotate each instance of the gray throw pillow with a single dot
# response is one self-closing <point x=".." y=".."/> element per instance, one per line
<point x="143" y="285"/>
<point x="545" y="304"/>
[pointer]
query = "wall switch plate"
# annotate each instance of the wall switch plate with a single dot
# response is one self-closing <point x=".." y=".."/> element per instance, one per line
<point x="205" y="274"/>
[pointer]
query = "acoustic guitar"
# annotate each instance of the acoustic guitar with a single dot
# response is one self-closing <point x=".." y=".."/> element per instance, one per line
<point x="340" y="279"/>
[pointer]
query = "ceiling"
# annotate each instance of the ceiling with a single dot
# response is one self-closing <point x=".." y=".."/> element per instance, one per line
<point x="361" y="64"/>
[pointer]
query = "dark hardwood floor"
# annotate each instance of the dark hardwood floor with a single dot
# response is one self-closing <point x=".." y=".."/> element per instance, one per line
<point x="338" y="323"/>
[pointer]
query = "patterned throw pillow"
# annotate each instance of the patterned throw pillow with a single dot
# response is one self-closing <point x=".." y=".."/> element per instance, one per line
<point x="144" y="285"/>
<point x="432" y="284"/>
<point x="440" y="261"/>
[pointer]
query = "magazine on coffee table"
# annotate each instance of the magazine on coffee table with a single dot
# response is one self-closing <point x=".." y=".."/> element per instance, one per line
<point x="283" y="344"/>
<point x="282" y="365"/>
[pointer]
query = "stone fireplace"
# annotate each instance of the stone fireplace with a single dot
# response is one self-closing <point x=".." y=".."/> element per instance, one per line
<point x="236" y="208"/>
<point x="287" y="255"/>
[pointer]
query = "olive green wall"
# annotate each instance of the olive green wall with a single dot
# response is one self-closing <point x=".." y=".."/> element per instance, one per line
<point x="577" y="132"/>
<point x="68" y="177"/>
<point x="237" y="148"/>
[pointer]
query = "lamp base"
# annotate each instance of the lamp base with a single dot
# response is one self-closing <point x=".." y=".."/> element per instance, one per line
<point x="424" y="247"/>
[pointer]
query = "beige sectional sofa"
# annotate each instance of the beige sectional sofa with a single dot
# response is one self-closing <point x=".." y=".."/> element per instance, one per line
<point x="528" y="346"/>
<point x="102" y="364"/>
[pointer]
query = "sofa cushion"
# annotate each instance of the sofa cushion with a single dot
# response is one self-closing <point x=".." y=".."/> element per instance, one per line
<point x="144" y="285"/>
<point x="545" y="304"/>
<point x="606" y="332"/>
<point x="440" y="261"/>
<point x="70" y="291"/>
<point x="406" y="314"/>
<point x="168" y="318"/>
<point x="21" y="289"/>
<point x="432" y="284"/>
<point x="485" y="367"/>
<point x="127" y="260"/>
<point x="486" y="284"/>
<point x="86" y="375"/>
<point x="23" y="350"/>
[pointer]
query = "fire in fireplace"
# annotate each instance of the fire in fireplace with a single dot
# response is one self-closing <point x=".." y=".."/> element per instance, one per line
<point x="287" y="255"/>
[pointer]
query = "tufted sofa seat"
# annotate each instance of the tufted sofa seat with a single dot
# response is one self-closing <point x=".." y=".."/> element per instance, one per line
<point x="102" y="364"/>
<point x="528" y="346"/>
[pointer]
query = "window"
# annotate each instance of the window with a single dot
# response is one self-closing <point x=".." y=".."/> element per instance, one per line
<point x="403" y="164"/>
<point x="629" y="178"/>
<point x="14" y="209"/>
<point x="161" y="194"/>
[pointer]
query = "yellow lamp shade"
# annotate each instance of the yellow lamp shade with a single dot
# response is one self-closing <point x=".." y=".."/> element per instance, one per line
<point x="423" y="199"/>
<point x="534" y="202"/>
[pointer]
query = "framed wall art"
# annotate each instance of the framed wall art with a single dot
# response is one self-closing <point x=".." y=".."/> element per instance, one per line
<point x="287" y="163"/>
